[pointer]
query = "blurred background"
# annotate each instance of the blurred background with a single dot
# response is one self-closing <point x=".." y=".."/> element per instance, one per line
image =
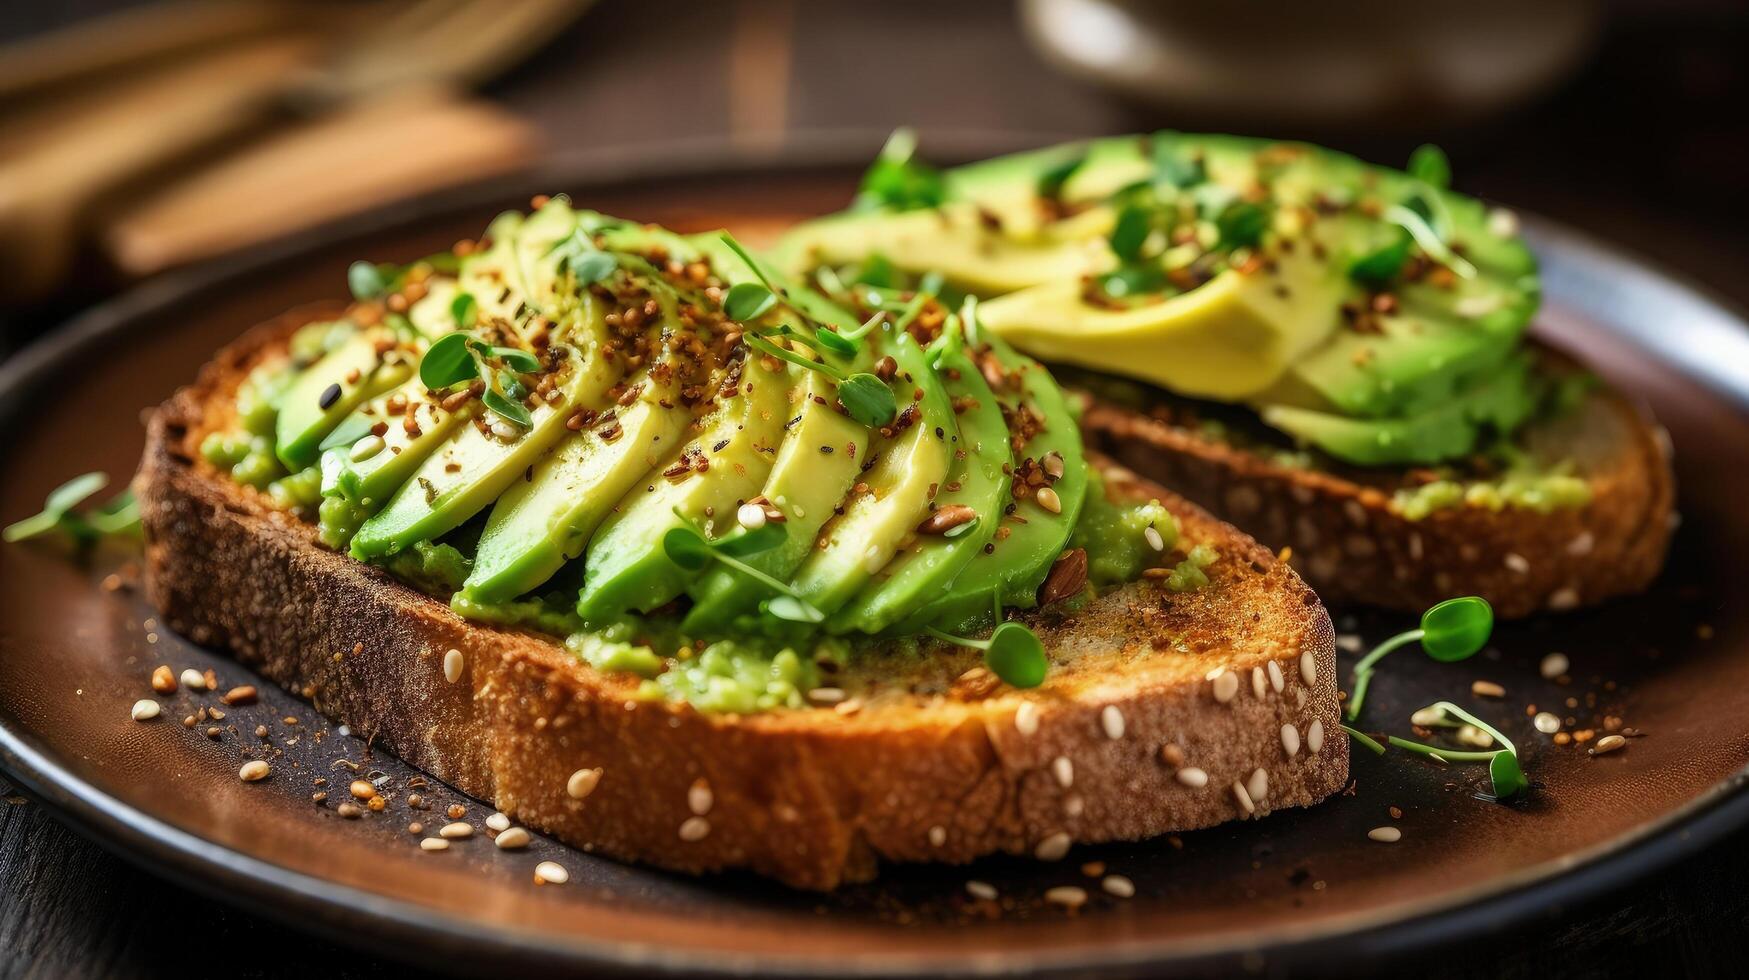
<point x="139" y="137"/>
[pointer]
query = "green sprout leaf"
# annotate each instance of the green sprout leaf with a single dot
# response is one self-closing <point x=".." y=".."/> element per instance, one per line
<point x="897" y="180"/>
<point x="836" y="342"/>
<point x="351" y="429"/>
<point x="509" y="409"/>
<point x="1429" y="165"/>
<point x="516" y="359"/>
<point x="1132" y="280"/>
<point x="1382" y="264"/>
<point x="1457" y="629"/>
<point x="367" y="280"/>
<point x="120" y="515"/>
<point x="748" y="301"/>
<point x="1419" y="228"/>
<point x="1016" y="655"/>
<point x="1506" y="774"/>
<point x="687" y="548"/>
<point x="1242" y="224"/>
<point x="760" y="539"/>
<point x="464" y="310"/>
<point x="1130" y="232"/>
<point x="593" y="267"/>
<point x="876" y="271"/>
<point x="56" y="512"/>
<point x="448" y="362"/>
<point x="1173" y="167"/>
<point x="793" y="609"/>
<point x="1051" y="182"/>
<point x="1364" y="739"/>
<point x="868" y="400"/>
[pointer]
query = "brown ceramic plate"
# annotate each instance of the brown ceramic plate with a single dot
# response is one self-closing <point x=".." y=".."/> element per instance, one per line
<point x="74" y="656"/>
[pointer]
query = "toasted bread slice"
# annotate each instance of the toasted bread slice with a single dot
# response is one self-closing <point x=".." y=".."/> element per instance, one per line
<point x="925" y="759"/>
<point x="1355" y="545"/>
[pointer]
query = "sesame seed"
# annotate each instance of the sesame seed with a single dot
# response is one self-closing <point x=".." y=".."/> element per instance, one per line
<point x="826" y="695"/>
<point x="1226" y="686"/>
<point x="582" y="783"/>
<point x="1608" y="743"/>
<point x="1172" y="755"/>
<point x="1053" y="847"/>
<point x="1427" y="717"/>
<point x="1350" y="642"/>
<point x="1517" y="563"/>
<point x="1564" y="598"/>
<point x="1276" y="681"/>
<point x="1547" y="722"/>
<point x="694" y="829"/>
<point x="434" y="844"/>
<point x="937" y="835"/>
<point x="1554" y="665"/>
<point x="1118" y="885"/>
<point x="504" y="430"/>
<point x="1258" y="786"/>
<point x="1026" y="718"/>
<point x="1151" y="534"/>
<point x="1068" y="896"/>
<point x="512" y="838"/>
<point x="1073" y="806"/>
<point x="145" y="709"/>
<point x="549" y="873"/>
<point x="1259" y="687"/>
<point x="367" y="447"/>
<point x="1064" y="770"/>
<point x="1111" y="719"/>
<point x="699" y="798"/>
<point x="1474" y="737"/>
<point x="1581" y="544"/>
<point x="253" y="771"/>
<point x="1385" y="835"/>
<point x="1243" y="796"/>
<point x="1502" y="223"/>
<point x="1048" y="499"/>
<point x="1487" y="689"/>
<point x="983" y="891"/>
<point x="194" y="680"/>
<point x="1308" y="668"/>
<point x="1315" y="736"/>
<point x="456" y="831"/>
<point x="1193" y="777"/>
<point x="1290" y="740"/>
<point x="452" y="665"/>
<point x="498" y="822"/>
<point x="362" y="789"/>
<point x="751" y="516"/>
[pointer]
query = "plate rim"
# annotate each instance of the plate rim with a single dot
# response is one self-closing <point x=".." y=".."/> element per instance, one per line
<point x="322" y="906"/>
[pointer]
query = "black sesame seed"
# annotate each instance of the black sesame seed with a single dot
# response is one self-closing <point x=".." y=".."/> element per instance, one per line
<point x="329" y="396"/>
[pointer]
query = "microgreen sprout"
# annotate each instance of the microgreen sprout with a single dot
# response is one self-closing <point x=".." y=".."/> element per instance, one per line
<point x="1450" y="631"/>
<point x="1418" y="227"/>
<point x="898" y="180"/>
<point x="1175" y="169"/>
<point x="464" y="310"/>
<point x="748" y="301"/>
<point x="1364" y="739"/>
<point x="1052" y="181"/>
<point x="1013" y="652"/>
<point x="461" y="357"/>
<point x="1504" y="770"/>
<point x="686" y="546"/>
<point x="1429" y="165"/>
<point x="1382" y="264"/>
<point x="119" y="515"/>
<point x="865" y="397"/>
<point x="578" y="254"/>
<point x="368" y="280"/>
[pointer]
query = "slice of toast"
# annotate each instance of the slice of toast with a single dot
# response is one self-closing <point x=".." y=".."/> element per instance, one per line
<point x="1354" y="545"/>
<point x="1162" y="711"/>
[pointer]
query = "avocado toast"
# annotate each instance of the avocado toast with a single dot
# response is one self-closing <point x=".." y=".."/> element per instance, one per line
<point x="681" y="562"/>
<point x="1332" y="355"/>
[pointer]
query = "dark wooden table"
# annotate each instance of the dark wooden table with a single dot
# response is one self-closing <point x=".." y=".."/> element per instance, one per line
<point x="1646" y="147"/>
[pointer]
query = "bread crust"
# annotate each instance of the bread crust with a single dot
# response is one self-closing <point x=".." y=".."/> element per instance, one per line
<point x="933" y="765"/>
<point x="1353" y="546"/>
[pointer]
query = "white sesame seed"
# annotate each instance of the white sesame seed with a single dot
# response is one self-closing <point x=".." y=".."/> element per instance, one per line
<point x="1554" y="665"/>
<point x="694" y="829"/>
<point x="1241" y="794"/>
<point x="549" y="873"/>
<point x="1226" y="686"/>
<point x="1118" y="885"/>
<point x="1068" y="896"/>
<point x="459" y="830"/>
<point x="937" y="835"/>
<point x="193" y="679"/>
<point x="512" y="839"/>
<point x="1193" y="777"/>
<point x="498" y="822"/>
<point x="504" y="430"/>
<point x="1315" y="736"/>
<point x="145" y="709"/>
<point x="1064" y="770"/>
<point x="1427" y="717"/>
<point x="452" y="665"/>
<point x="1048" y="499"/>
<point x="253" y="771"/>
<point x="1582" y="543"/>
<point x="983" y="891"/>
<point x="1385" y="835"/>
<point x="699" y="797"/>
<point x="1111" y="719"/>
<point x="1564" y="598"/>
<point x="1473" y="737"/>
<point x="1276" y="681"/>
<point x="1487" y="689"/>
<point x="1350" y="642"/>
<point x="1608" y="743"/>
<point x="582" y="783"/>
<point x="1026" y="718"/>
<point x="1053" y="464"/>
<point x="751" y="516"/>
<point x="1547" y="722"/>
<point x="1502" y="223"/>
<point x="434" y="844"/>
<point x="1309" y="668"/>
<point x="1475" y="306"/>
<point x="826" y="695"/>
<point x="1151" y="534"/>
<point x="1290" y="740"/>
<point x="1517" y="563"/>
<point x="1073" y="806"/>
<point x="1258" y="786"/>
<point x="367" y="447"/>
<point x="1259" y="686"/>
<point x="1053" y="847"/>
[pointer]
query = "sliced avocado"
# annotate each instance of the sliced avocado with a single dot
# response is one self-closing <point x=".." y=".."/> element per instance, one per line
<point x="1498" y="401"/>
<point x="475" y="464"/>
<point x="490" y="276"/>
<point x="546" y="520"/>
<point x="370" y="481"/>
<point x="978" y="478"/>
<point x="1019" y="561"/>
<point x="368" y="364"/>
<point x="1229" y="338"/>
<point x="624" y="566"/>
<point x="536" y="262"/>
<point x="908" y="471"/>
